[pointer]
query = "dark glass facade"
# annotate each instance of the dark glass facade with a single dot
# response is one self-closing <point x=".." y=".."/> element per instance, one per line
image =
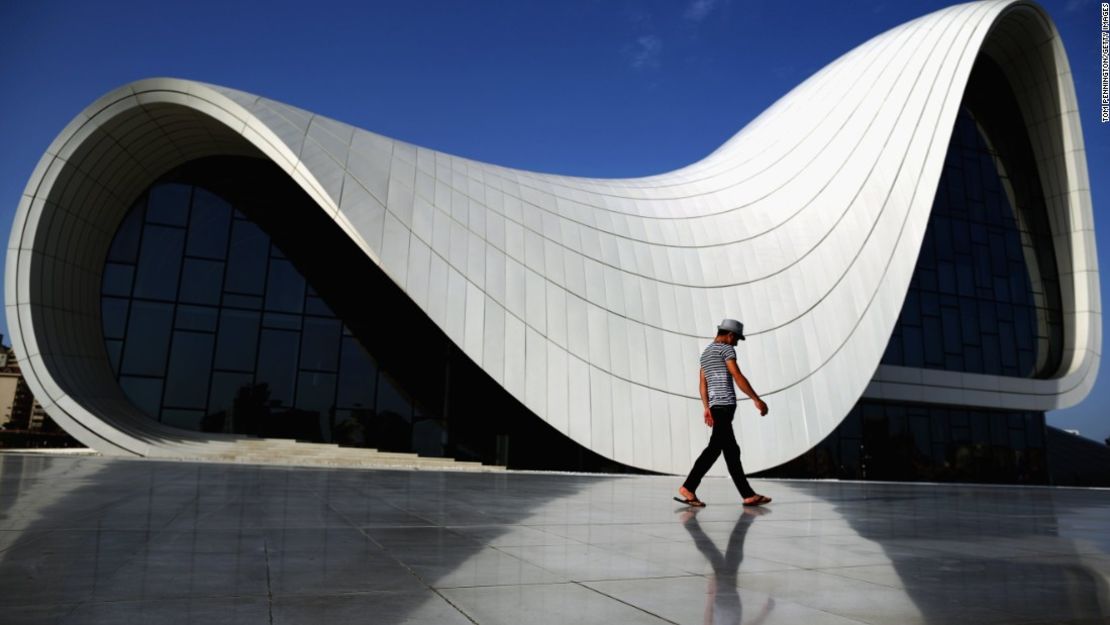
<point x="209" y="326"/>
<point x="906" y="442"/>
<point x="984" y="297"/>
<point x="231" y="303"/>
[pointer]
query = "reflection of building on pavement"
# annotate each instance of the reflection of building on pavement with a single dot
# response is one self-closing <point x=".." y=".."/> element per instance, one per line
<point x="1077" y="461"/>
<point x="1036" y="552"/>
<point x="722" y="603"/>
<point x="23" y="422"/>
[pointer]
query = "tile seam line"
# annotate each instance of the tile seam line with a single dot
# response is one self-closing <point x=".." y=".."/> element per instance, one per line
<point x="390" y="555"/>
<point x="269" y="582"/>
<point x="131" y="557"/>
<point x="566" y="581"/>
<point x="621" y="601"/>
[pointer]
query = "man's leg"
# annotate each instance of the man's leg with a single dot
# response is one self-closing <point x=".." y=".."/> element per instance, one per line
<point x="731" y="450"/>
<point x="704" y="461"/>
<point x="701" y="467"/>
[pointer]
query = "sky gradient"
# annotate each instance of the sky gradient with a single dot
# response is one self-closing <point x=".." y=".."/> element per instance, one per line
<point x="602" y="88"/>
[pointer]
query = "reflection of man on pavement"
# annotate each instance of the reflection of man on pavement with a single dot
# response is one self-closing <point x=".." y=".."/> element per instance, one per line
<point x="722" y="603"/>
<point x="715" y="378"/>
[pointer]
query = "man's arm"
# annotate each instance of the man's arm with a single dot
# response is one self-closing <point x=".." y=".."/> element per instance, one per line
<point x="743" y="385"/>
<point x="703" y="387"/>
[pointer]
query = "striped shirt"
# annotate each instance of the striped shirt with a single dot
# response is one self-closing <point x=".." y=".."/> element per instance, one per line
<point x="717" y="377"/>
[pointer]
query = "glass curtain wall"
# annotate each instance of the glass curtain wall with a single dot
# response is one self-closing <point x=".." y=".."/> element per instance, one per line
<point x="978" y="301"/>
<point x="906" y="442"/>
<point x="209" y="326"/>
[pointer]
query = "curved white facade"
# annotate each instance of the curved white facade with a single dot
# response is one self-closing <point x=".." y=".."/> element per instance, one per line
<point x="589" y="300"/>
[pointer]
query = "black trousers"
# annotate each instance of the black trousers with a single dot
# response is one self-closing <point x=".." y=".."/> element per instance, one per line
<point x="722" y="440"/>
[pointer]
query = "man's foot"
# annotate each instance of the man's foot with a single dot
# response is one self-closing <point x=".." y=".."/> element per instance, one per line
<point x="756" y="500"/>
<point x="689" y="498"/>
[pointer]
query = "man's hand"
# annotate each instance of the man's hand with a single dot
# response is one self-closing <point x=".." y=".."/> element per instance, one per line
<point x="762" y="407"/>
<point x="708" y="417"/>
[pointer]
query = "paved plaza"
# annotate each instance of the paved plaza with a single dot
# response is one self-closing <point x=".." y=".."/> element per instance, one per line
<point x="96" y="540"/>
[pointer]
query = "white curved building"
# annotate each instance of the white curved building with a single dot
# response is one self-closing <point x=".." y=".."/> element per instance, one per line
<point x="589" y="300"/>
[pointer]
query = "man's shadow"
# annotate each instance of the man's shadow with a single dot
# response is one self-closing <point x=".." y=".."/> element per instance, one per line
<point x="722" y="603"/>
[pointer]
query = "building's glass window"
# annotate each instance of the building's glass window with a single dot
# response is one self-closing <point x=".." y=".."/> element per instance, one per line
<point x="985" y="295"/>
<point x="209" y="326"/>
<point x="907" y="442"/>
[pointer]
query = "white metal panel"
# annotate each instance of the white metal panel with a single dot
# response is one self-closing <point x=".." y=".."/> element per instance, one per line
<point x="493" y="341"/>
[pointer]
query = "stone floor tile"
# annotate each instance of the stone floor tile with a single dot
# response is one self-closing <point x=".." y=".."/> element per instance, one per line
<point x="381" y="608"/>
<point x="546" y="604"/>
<point x="89" y="539"/>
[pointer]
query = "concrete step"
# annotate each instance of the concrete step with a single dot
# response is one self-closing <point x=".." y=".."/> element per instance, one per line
<point x="277" y="452"/>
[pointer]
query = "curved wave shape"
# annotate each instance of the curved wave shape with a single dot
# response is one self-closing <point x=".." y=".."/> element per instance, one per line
<point x="590" y="299"/>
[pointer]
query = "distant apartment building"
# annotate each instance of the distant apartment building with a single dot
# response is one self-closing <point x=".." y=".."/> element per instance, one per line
<point x="19" y="405"/>
<point x="23" y="421"/>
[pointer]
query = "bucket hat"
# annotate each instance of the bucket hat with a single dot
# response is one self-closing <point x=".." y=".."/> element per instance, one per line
<point x="734" y="326"/>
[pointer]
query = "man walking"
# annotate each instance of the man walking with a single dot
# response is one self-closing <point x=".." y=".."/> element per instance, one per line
<point x="718" y="371"/>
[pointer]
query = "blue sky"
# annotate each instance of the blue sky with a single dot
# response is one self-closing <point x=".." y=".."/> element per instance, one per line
<point x="605" y="88"/>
